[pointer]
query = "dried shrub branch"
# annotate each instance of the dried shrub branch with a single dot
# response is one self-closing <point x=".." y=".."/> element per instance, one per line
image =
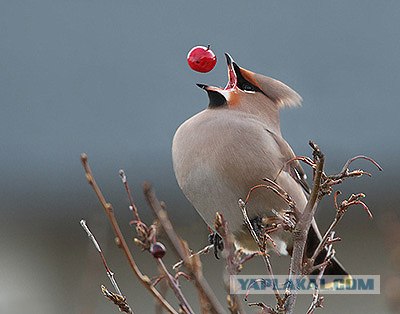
<point x="234" y="262"/>
<point x="120" y="238"/>
<point x="118" y="298"/>
<point x="294" y="220"/>
<point x="303" y="224"/>
<point x="263" y="249"/>
<point x="209" y="302"/>
<point x="300" y="225"/>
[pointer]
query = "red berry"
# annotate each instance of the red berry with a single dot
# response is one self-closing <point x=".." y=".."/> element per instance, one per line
<point x="157" y="249"/>
<point x="201" y="59"/>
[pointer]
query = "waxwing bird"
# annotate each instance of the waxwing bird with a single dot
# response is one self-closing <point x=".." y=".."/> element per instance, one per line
<point x="220" y="153"/>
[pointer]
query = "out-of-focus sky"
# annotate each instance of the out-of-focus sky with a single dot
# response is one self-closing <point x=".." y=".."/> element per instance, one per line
<point x="110" y="78"/>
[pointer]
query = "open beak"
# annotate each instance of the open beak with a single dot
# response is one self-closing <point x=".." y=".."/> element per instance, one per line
<point x="209" y="88"/>
<point x="218" y="96"/>
<point x="232" y="77"/>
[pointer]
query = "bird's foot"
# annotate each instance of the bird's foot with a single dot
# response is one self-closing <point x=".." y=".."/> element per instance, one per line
<point x="257" y="224"/>
<point x="216" y="240"/>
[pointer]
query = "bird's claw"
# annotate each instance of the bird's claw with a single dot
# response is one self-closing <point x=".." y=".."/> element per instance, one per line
<point x="216" y="240"/>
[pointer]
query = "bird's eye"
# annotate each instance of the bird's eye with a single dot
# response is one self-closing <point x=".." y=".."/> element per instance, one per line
<point x="248" y="88"/>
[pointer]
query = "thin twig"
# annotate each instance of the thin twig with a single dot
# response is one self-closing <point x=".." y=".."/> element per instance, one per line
<point x="329" y="181"/>
<point x="184" y="304"/>
<point x="210" y="300"/>
<point x="347" y="164"/>
<point x="121" y="240"/>
<point x="317" y="300"/>
<point x="264" y="254"/>
<point x="265" y="308"/>
<point x="274" y="187"/>
<point x="203" y="251"/>
<point x="132" y="205"/>
<point x="305" y="159"/>
<point x="148" y="235"/>
<point x="232" y="262"/>
<point x="341" y="209"/>
<point x="163" y="288"/>
<point x="110" y="274"/>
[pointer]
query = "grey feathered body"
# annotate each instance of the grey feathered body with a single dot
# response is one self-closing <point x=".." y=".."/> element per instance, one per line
<point x="219" y="154"/>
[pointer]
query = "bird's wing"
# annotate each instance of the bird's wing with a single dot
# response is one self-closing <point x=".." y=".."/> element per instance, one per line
<point x="314" y="236"/>
<point x="295" y="169"/>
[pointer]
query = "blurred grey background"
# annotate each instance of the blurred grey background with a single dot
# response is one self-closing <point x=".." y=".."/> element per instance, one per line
<point x="110" y="78"/>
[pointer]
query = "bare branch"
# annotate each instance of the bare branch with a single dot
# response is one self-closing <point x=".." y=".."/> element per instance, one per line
<point x="233" y="261"/>
<point x="329" y="181"/>
<point x="210" y="300"/>
<point x="132" y="205"/>
<point x="347" y="164"/>
<point x="317" y="301"/>
<point x="340" y="212"/>
<point x="274" y="187"/>
<point x="304" y="223"/>
<point x="265" y="308"/>
<point x="203" y="251"/>
<point x="110" y="274"/>
<point x="262" y="247"/>
<point x="293" y="220"/>
<point x="173" y="283"/>
<point x="120" y="238"/>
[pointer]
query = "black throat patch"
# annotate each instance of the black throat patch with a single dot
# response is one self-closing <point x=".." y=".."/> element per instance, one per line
<point x="216" y="99"/>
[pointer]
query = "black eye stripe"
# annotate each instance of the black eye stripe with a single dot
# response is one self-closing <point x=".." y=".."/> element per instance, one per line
<point x="247" y="86"/>
<point x="244" y="84"/>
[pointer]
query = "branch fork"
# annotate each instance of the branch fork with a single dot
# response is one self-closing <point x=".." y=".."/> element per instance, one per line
<point x="291" y="220"/>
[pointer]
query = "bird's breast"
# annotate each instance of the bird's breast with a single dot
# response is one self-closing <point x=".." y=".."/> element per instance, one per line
<point x="218" y="158"/>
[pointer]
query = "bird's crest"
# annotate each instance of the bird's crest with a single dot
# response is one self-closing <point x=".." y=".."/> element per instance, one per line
<point x="281" y="94"/>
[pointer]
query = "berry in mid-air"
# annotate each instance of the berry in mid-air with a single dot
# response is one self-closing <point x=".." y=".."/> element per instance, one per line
<point x="201" y="59"/>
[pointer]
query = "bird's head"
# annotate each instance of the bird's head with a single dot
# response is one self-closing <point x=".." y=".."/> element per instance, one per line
<point x="249" y="91"/>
